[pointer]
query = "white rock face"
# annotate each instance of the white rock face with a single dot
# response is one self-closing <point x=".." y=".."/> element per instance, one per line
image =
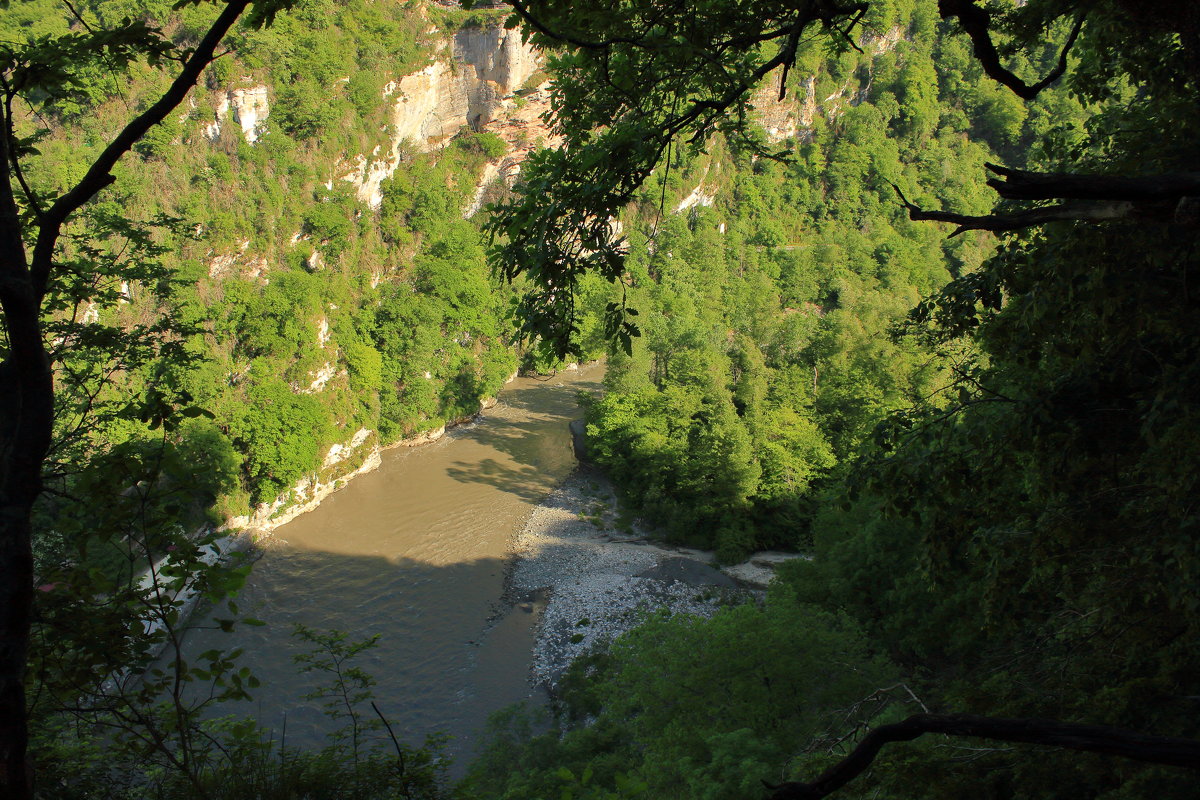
<point x="808" y="110"/>
<point x="698" y="197"/>
<point x="321" y="377"/>
<point x="250" y="108"/>
<point x="248" y="266"/>
<point x="340" y="452"/>
<point x="491" y="171"/>
<point x="880" y="43"/>
<point x="306" y="495"/>
<point x="367" y="176"/>
<point x="498" y="56"/>
<point x="212" y="131"/>
<point x="434" y="103"/>
<point x="219" y="266"/>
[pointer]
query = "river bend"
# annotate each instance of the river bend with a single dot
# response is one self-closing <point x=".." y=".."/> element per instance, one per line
<point x="415" y="551"/>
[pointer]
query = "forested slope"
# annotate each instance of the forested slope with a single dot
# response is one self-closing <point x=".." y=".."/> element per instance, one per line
<point x="998" y="496"/>
<point x="303" y="246"/>
<point x="767" y="291"/>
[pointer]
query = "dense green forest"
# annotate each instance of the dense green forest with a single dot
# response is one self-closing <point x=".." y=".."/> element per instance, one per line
<point x="993" y="473"/>
<point x="765" y="360"/>
<point x="305" y="316"/>
<point x="985" y="441"/>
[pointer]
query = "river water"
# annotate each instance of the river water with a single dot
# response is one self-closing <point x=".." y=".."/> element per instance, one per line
<point x="416" y="552"/>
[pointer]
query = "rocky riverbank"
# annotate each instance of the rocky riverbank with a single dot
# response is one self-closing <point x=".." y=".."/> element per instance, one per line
<point x="596" y="574"/>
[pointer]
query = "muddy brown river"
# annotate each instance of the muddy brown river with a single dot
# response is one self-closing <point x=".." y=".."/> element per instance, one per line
<point x="415" y="552"/>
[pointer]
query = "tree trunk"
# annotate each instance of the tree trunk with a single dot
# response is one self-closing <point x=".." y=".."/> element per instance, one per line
<point x="16" y="597"/>
<point x="26" y="415"/>
<point x="27" y="385"/>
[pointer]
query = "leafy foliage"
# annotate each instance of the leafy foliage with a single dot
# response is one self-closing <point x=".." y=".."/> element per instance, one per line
<point x="1017" y="535"/>
<point x="688" y="707"/>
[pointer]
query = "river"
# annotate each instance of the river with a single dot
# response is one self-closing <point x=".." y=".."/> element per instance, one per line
<point x="416" y="552"/>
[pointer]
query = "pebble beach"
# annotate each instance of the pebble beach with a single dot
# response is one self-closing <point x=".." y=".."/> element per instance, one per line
<point x="594" y="575"/>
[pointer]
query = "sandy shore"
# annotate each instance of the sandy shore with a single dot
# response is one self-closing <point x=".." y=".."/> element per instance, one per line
<point x="597" y="574"/>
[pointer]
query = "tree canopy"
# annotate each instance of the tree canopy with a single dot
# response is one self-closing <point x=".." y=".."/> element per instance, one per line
<point x="1019" y="538"/>
<point x="986" y="440"/>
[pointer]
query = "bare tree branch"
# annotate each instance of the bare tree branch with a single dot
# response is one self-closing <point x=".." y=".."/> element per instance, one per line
<point x="532" y="21"/>
<point x="1017" y="184"/>
<point x="1089" y="738"/>
<point x="1171" y="198"/>
<point x="976" y="23"/>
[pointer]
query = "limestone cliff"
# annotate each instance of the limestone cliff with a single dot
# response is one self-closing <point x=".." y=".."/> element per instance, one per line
<point x="250" y="108"/>
<point x="472" y="83"/>
<point x="793" y="116"/>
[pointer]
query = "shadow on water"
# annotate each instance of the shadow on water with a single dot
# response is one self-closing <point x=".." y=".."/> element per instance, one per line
<point x="588" y="379"/>
<point x="526" y="482"/>
<point x="415" y="551"/>
<point x="447" y="657"/>
<point x="522" y="439"/>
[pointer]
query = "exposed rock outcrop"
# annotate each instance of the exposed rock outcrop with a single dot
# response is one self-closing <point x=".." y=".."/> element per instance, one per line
<point x="212" y="131"/>
<point x="473" y="88"/>
<point x="522" y="128"/>
<point x="321" y="377"/>
<point x="250" y="106"/>
<point x="793" y="116"/>
<point x="487" y="66"/>
<point x="243" y="263"/>
<point x="700" y="196"/>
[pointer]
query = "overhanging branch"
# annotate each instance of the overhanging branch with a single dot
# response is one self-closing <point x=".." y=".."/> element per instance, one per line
<point x="1095" y="198"/>
<point x="976" y="23"/>
<point x="530" y="19"/>
<point x="1017" y="184"/>
<point x="99" y="174"/>
<point x="1088" y="738"/>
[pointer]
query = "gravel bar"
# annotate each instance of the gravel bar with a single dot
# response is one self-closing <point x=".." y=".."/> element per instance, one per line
<point x="597" y="579"/>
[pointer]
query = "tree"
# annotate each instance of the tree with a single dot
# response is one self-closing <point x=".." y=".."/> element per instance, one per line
<point x="39" y="72"/>
<point x="1052" y="478"/>
<point x="701" y="68"/>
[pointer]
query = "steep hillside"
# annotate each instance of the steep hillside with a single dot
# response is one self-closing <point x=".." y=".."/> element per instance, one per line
<point x="310" y="207"/>
<point x="768" y="289"/>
